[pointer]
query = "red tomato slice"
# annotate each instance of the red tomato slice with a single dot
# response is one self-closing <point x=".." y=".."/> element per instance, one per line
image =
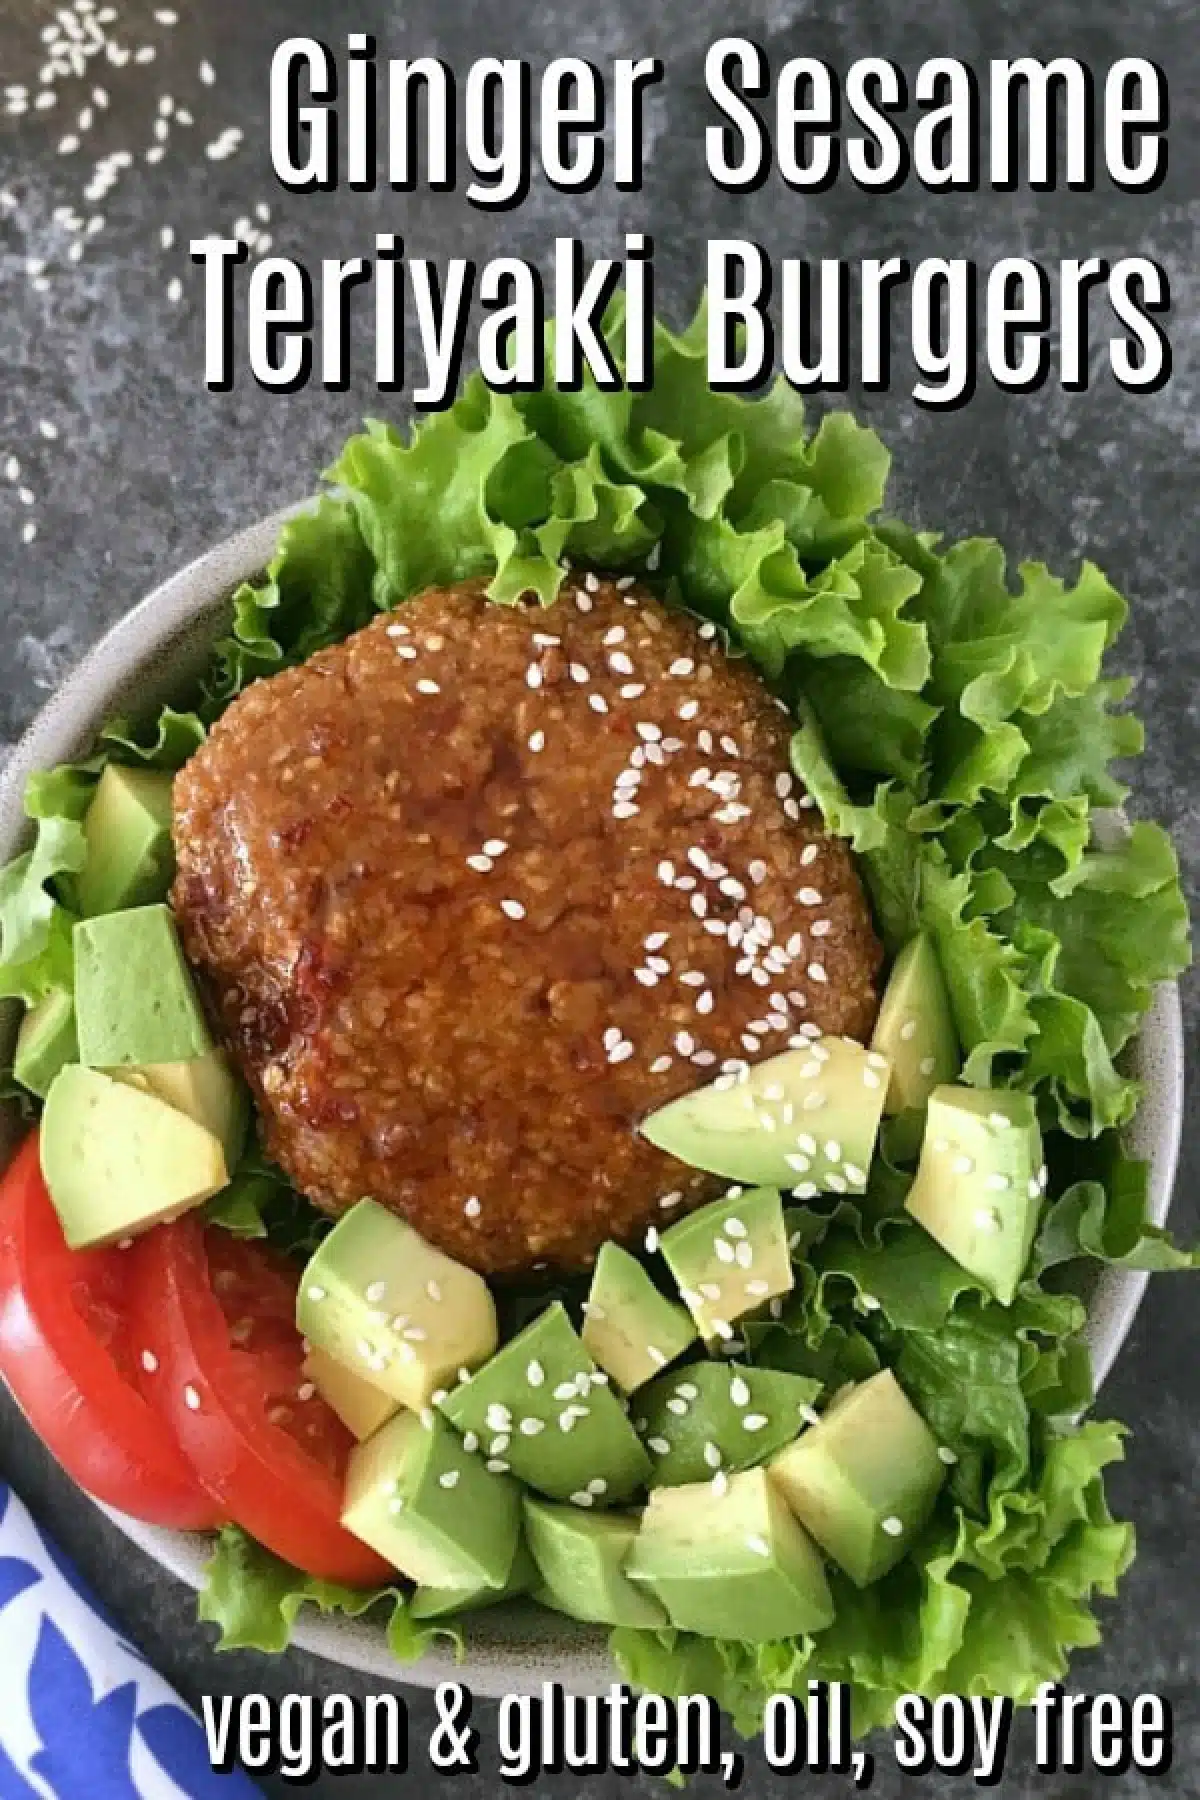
<point x="66" y="1356"/>
<point x="225" y="1370"/>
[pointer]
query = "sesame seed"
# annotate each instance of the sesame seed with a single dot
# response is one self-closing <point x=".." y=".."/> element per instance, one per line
<point x="495" y="1466"/>
<point x="149" y="1362"/>
<point x="683" y="665"/>
<point x="672" y="1199"/>
<point x="537" y="741"/>
<point x="659" y="1066"/>
<point x="620" y="664"/>
<point x="657" y="1357"/>
<point x="962" y="1165"/>
<point x="632" y="690"/>
<point x="375" y="1292"/>
<point x="755" y="1422"/>
<point x="316" y="1293"/>
<point x="893" y="1526"/>
<point x="720" y="1484"/>
<point x="495" y="847"/>
<point x="705" y="1002"/>
<point x="191" y="1398"/>
<point x="598" y="703"/>
<point x="660" y="1446"/>
<point x="739" y="1392"/>
<point x="712" y="1456"/>
<point x="757" y="1543"/>
<point x="614" y="635"/>
<point x="677" y="1406"/>
<point x="986" y="1219"/>
<point x="908" y="1030"/>
<point x="472" y="1207"/>
<point x="651" y="1240"/>
<point x="689" y="709"/>
<point x="533" y="676"/>
<point x="579" y="674"/>
<point x="947" y="1456"/>
<point x="817" y="973"/>
<point x="532" y="1427"/>
<point x="483" y="865"/>
<point x="513" y="909"/>
<point x="450" y="1479"/>
<point x="621" y="1052"/>
<point x="425" y="686"/>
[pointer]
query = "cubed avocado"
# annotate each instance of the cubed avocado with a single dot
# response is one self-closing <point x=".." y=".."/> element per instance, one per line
<point x="542" y="1408"/>
<point x="46" y="1040"/>
<point x="631" y="1329"/>
<point x="717" y="1415"/>
<point x="730" y="1258"/>
<point x="865" y="1478"/>
<point x="130" y="858"/>
<point x="581" y="1557"/>
<point x="441" y="1603"/>
<point x="980" y="1182"/>
<point x="915" y="1028"/>
<point x="728" y="1560"/>
<point x="418" y="1497"/>
<point x="117" y="1161"/>
<point x="360" y="1405"/>
<point x="206" y="1089"/>
<point x="134" y="995"/>
<point x="806" y="1119"/>
<point x="384" y="1302"/>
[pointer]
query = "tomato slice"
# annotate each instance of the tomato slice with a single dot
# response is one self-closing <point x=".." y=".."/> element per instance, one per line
<point x="216" y="1315"/>
<point x="66" y="1355"/>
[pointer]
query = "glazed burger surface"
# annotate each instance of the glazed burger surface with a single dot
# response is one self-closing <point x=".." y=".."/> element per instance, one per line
<point x="476" y="890"/>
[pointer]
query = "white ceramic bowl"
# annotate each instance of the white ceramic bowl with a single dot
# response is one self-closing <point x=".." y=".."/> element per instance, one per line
<point x="150" y="657"/>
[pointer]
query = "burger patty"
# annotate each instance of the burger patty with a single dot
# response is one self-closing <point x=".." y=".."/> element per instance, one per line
<point x="476" y="890"/>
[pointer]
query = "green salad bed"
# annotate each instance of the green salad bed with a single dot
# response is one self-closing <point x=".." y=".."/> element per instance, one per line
<point x="954" y="723"/>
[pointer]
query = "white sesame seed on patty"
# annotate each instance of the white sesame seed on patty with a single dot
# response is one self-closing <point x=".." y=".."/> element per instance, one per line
<point x="513" y="909"/>
<point x="425" y="686"/>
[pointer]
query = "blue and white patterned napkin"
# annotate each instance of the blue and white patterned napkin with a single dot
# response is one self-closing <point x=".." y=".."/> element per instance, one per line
<point x="83" y="1716"/>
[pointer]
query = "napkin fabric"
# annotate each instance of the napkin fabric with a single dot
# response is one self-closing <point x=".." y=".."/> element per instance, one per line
<point x="83" y="1716"/>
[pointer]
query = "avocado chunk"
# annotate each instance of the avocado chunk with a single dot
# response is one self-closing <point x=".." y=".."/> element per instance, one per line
<point x="915" y="1028"/>
<point x="580" y="1558"/>
<point x="130" y="858"/>
<point x="417" y="1496"/>
<point x="715" y="1415"/>
<point x="727" y="1559"/>
<point x="980" y="1182"/>
<point x="384" y="1302"/>
<point x="441" y="1602"/>
<point x="864" y="1480"/>
<point x="730" y="1258"/>
<point x="361" y="1406"/>
<point x="46" y="1041"/>
<point x="806" y="1119"/>
<point x="206" y="1089"/>
<point x="631" y="1329"/>
<point x="542" y="1408"/>
<point x="134" y="994"/>
<point x="117" y="1161"/>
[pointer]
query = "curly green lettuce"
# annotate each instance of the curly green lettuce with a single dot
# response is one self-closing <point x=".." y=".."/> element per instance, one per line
<point x="954" y="722"/>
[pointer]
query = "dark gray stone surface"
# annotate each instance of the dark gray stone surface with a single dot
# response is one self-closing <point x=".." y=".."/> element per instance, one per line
<point x="148" y="469"/>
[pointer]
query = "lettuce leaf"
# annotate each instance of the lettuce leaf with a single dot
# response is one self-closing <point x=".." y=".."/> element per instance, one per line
<point x="254" y="1600"/>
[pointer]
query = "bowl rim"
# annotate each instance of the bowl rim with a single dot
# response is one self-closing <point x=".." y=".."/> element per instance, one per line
<point x="514" y="1649"/>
